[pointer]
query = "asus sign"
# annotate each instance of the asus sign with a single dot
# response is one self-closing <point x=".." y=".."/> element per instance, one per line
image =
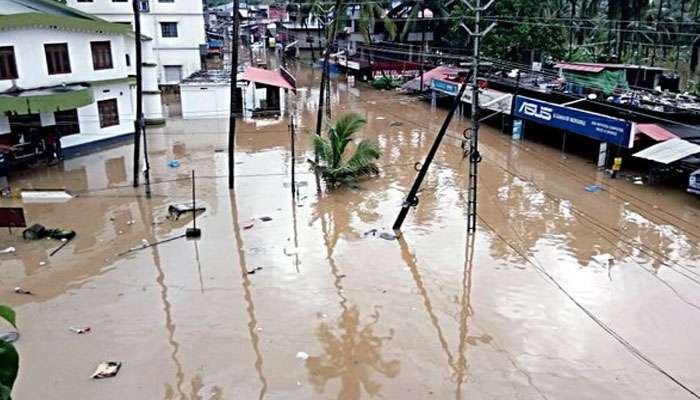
<point x="595" y="126"/>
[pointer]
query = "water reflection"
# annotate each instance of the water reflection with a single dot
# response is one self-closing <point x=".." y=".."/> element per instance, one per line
<point x="352" y="354"/>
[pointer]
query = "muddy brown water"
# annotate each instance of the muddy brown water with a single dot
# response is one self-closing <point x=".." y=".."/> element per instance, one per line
<point x="529" y="310"/>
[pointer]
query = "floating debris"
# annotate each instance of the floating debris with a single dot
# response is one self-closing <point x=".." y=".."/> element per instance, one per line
<point x="372" y="232"/>
<point x="387" y="236"/>
<point x="107" y="369"/>
<point x="8" y="250"/>
<point x="45" y="196"/>
<point x="265" y="219"/>
<point x="396" y="123"/>
<point x="19" y="290"/>
<point x="302" y="355"/>
<point x="593" y="189"/>
<point x="80" y="330"/>
<point x="249" y="226"/>
<point x="9" y="337"/>
<point x="174" y="163"/>
<point x="254" y="270"/>
<point x="176" y="210"/>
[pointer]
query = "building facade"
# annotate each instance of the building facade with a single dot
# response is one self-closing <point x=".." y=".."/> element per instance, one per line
<point x="176" y="27"/>
<point x="65" y="79"/>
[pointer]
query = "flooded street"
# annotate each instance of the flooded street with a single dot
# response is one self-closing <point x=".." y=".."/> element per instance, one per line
<point x="561" y="294"/>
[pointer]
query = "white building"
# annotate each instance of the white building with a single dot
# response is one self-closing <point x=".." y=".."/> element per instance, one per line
<point x="65" y="74"/>
<point x="176" y="27"/>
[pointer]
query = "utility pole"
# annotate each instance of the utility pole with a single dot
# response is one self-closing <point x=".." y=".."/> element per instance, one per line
<point x="234" y="102"/>
<point x="678" y="38"/>
<point x="326" y="66"/>
<point x="422" y="50"/>
<point x="571" y="28"/>
<point x="412" y="199"/>
<point x="474" y="156"/>
<point x="292" y="135"/>
<point x="136" y="4"/>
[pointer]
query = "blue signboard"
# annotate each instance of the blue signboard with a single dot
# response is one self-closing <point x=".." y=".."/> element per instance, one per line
<point x="596" y="126"/>
<point x="450" y="88"/>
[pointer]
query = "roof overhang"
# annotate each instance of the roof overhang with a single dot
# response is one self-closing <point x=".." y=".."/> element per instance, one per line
<point x="669" y="151"/>
<point x="46" y="100"/>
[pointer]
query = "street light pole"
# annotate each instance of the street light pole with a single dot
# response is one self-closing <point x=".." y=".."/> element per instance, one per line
<point x="234" y="101"/>
<point x="139" y="92"/>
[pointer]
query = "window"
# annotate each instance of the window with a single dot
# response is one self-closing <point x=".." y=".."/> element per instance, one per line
<point x="8" y="67"/>
<point x="109" y="113"/>
<point x="128" y="60"/>
<point x="67" y="122"/>
<point x="101" y="55"/>
<point x="57" y="58"/>
<point x="166" y="1"/>
<point x="168" y="29"/>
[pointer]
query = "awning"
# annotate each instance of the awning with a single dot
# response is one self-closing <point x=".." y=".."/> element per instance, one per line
<point x="267" y="77"/>
<point x="655" y="132"/>
<point x="580" y="67"/>
<point x="669" y="151"/>
<point x="46" y="100"/>
<point x="439" y="73"/>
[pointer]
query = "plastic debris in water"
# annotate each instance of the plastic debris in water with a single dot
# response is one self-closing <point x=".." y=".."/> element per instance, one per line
<point x="80" y="330"/>
<point x="593" y="189"/>
<point x="9" y="250"/>
<point x="251" y="272"/>
<point x="107" y="369"/>
<point x="265" y="219"/>
<point x="249" y="226"/>
<point x="174" y="163"/>
<point x="387" y="236"/>
<point x="19" y="290"/>
<point x="302" y="355"/>
<point x="9" y="337"/>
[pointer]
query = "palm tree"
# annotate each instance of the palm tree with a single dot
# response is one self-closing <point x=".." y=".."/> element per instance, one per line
<point x="369" y="13"/>
<point x="333" y="165"/>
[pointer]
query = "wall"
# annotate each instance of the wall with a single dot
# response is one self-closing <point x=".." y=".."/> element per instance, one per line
<point x="31" y="59"/>
<point x="183" y="50"/>
<point x="212" y="100"/>
<point x="89" y="119"/>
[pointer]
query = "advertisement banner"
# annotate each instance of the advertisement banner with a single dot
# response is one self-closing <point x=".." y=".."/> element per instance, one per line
<point x="596" y="126"/>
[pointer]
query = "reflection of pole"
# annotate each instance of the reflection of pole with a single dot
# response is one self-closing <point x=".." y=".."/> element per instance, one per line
<point x="512" y="103"/>
<point x="411" y="199"/>
<point x="248" y="297"/>
<point x="234" y="101"/>
<point x="139" y="91"/>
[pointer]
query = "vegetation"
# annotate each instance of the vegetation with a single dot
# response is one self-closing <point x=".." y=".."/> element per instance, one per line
<point x="333" y="164"/>
<point x="9" y="359"/>
<point x="386" y="82"/>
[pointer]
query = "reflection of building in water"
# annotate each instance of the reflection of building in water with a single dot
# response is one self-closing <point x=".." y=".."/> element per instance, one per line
<point x="352" y="354"/>
<point x="115" y="169"/>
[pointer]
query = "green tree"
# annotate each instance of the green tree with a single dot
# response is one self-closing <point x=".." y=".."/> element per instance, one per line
<point x="411" y="10"/>
<point x="9" y="359"/>
<point x="333" y="164"/>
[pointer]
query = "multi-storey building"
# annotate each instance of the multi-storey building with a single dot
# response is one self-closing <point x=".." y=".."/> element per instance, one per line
<point x="176" y="27"/>
<point x="65" y="78"/>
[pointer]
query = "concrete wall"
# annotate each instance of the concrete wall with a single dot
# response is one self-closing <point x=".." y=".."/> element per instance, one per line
<point x="88" y="116"/>
<point x="183" y="50"/>
<point x="212" y="100"/>
<point x="31" y="59"/>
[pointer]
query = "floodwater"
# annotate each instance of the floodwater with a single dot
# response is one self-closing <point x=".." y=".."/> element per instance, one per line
<point x="561" y="294"/>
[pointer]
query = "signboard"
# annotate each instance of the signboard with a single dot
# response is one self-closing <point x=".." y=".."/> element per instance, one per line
<point x="447" y="87"/>
<point x="536" y="66"/>
<point x="595" y="126"/>
<point x="491" y="100"/>
<point x="12" y="217"/>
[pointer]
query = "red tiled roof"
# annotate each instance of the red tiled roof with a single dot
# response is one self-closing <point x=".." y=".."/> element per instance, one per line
<point x="266" y="77"/>
<point x="655" y="132"/>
